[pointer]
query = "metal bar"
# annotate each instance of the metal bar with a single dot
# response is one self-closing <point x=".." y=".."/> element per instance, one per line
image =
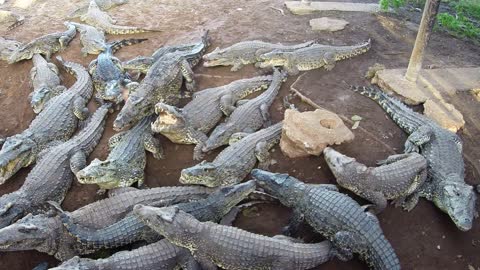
<point x="424" y="31"/>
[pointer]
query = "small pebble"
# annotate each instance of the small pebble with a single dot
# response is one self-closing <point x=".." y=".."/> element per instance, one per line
<point x="438" y="247"/>
<point x="443" y="237"/>
<point x="319" y="167"/>
<point x="470" y="267"/>
<point x="239" y="9"/>
<point x="356" y="124"/>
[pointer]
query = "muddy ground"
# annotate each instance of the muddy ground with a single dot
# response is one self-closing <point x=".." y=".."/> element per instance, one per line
<point x="423" y="239"/>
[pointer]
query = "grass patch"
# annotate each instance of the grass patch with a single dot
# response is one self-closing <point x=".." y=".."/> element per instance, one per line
<point x="458" y="25"/>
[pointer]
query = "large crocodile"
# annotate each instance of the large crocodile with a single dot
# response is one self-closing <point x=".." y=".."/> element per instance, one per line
<point x="245" y="52"/>
<point x="161" y="84"/>
<point x="7" y="47"/>
<point x="46" y="45"/>
<point x="126" y="162"/>
<point x="250" y="116"/>
<point x="57" y="122"/>
<point x="45" y="233"/>
<point x="228" y="247"/>
<point x="51" y="177"/>
<point x="92" y="39"/>
<point x="46" y="82"/>
<point x="315" y="56"/>
<point x="397" y="177"/>
<point x="130" y="229"/>
<point x="159" y="255"/>
<point x="101" y="20"/>
<point x="236" y="161"/>
<point x="107" y="73"/>
<point x="190" y="124"/>
<point x="334" y="215"/>
<point x="445" y="185"/>
<point x="102" y="4"/>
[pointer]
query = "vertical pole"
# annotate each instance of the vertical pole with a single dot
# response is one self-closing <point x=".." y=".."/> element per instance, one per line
<point x="424" y="31"/>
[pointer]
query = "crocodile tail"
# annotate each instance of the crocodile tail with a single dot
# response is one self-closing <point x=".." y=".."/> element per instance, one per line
<point x="79" y="12"/>
<point x="206" y="38"/>
<point x="116" y="45"/>
<point x="16" y="24"/>
<point x="125" y="30"/>
<point x="402" y="115"/>
<point x="346" y="52"/>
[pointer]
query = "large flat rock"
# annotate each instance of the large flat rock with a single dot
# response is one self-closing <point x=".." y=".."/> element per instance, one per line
<point x="328" y="24"/>
<point x="302" y="8"/>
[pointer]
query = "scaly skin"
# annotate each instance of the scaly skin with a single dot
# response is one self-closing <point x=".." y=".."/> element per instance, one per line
<point x="313" y="57"/>
<point x="160" y="255"/>
<point x="46" y="45"/>
<point x="398" y="177"/>
<point x="248" y="117"/>
<point x="47" y="234"/>
<point x="161" y="84"/>
<point x="56" y="123"/>
<point x="126" y="162"/>
<point x="234" y="163"/>
<point x="442" y="149"/>
<point x="92" y="39"/>
<point x="245" y="52"/>
<point x="231" y="248"/>
<point x="190" y="124"/>
<point x="107" y="73"/>
<point x="101" y="20"/>
<point x="46" y="83"/>
<point x="334" y="215"/>
<point x="52" y="176"/>
<point x="102" y="4"/>
<point x="130" y="229"/>
<point x="7" y="47"/>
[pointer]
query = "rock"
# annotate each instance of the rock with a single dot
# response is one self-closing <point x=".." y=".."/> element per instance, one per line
<point x="356" y="118"/>
<point x="7" y="46"/>
<point x="308" y="133"/>
<point x="24" y="3"/>
<point x="308" y="7"/>
<point x="328" y="24"/>
<point x="372" y="71"/>
<point x="445" y="114"/>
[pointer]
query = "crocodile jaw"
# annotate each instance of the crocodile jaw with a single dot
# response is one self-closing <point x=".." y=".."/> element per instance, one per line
<point x="39" y="98"/>
<point x="15" y="154"/>
<point x="201" y="174"/>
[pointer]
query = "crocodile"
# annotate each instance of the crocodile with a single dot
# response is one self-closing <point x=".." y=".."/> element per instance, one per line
<point x="159" y="255"/>
<point x="57" y="122"/>
<point x="336" y="216"/>
<point x="250" y="116"/>
<point x="161" y="84"/>
<point x="102" y="4"/>
<point x="46" y="45"/>
<point x="130" y="229"/>
<point x="235" y="162"/>
<point x="101" y="20"/>
<point x="46" y="83"/>
<point x="445" y="185"/>
<point x="45" y="233"/>
<point x="51" y="177"/>
<point x="190" y="124"/>
<point x="126" y="162"/>
<point x="92" y="39"/>
<point x="397" y="177"/>
<point x="313" y="57"/>
<point x="245" y="52"/>
<point x="107" y="73"/>
<point x="7" y="47"/>
<point x="228" y="247"/>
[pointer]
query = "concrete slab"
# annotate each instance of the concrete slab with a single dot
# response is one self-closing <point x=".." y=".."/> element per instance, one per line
<point x="302" y="8"/>
<point x="430" y="88"/>
<point x="328" y="24"/>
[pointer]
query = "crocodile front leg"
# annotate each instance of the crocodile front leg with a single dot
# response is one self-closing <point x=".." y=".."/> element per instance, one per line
<point x="418" y="138"/>
<point x="226" y="104"/>
<point x="262" y="154"/>
<point x="115" y="139"/>
<point x="237" y="65"/>
<point x="329" y="59"/>
<point x="200" y="139"/>
<point x="33" y="73"/>
<point x="378" y="199"/>
<point x="237" y="137"/>
<point x="188" y="75"/>
<point x="58" y="90"/>
<point x="294" y="223"/>
<point x="205" y="263"/>
<point x="79" y="108"/>
<point x="78" y="161"/>
<point x="265" y="115"/>
<point x="153" y="146"/>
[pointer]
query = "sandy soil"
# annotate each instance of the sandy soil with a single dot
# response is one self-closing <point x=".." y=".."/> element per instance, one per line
<point x="423" y="239"/>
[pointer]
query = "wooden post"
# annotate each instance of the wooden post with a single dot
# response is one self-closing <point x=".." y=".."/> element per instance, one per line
<point x="424" y="31"/>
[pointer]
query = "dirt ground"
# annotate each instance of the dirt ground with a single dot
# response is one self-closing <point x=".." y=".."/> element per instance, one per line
<point x="423" y="239"/>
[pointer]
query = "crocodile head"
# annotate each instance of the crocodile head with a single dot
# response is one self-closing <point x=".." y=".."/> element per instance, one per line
<point x="12" y="208"/>
<point x="220" y="136"/>
<point x="169" y="118"/>
<point x="76" y="263"/>
<point x="113" y="92"/>
<point x="139" y="63"/>
<point x="219" y="57"/>
<point x="457" y="199"/>
<point x="204" y="173"/>
<point x="16" y="153"/>
<point x="279" y="185"/>
<point x="177" y="226"/>
<point x="342" y="167"/>
<point x="20" y="54"/>
<point x="40" y="97"/>
<point x="109" y="174"/>
<point x="275" y="58"/>
<point x="33" y="232"/>
<point x="134" y="110"/>
<point x="230" y="196"/>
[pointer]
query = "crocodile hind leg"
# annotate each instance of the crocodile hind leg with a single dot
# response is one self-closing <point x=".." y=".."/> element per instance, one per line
<point x="188" y="75"/>
<point x="237" y="137"/>
<point x="58" y="90"/>
<point x="226" y="104"/>
<point x="199" y="138"/>
<point x="265" y="115"/>
<point x="153" y="146"/>
<point x="78" y="161"/>
<point x="419" y="137"/>
<point x="329" y="59"/>
<point x="378" y="199"/>
<point x="343" y="243"/>
<point x="294" y="223"/>
<point x="205" y="262"/>
<point x="79" y="108"/>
